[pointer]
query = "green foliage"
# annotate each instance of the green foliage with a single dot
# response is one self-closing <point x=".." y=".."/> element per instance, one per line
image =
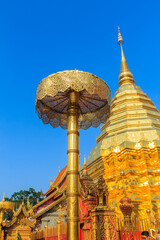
<point x="19" y="236"/>
<point x="8" y="215"/>
<point x="17" y="198"/>
<point x="34" y="197"/>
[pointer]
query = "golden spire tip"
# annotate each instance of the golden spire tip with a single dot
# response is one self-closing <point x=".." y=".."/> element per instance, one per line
<point x="120" y="39"/>
<point x="125" y="74"/>
<point x="3" y="197"/>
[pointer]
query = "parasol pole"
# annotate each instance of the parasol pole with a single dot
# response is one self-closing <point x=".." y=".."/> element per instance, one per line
<point x="73" y="185"/>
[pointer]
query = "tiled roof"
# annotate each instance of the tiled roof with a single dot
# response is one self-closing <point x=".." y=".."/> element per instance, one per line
<point x="58" y="180"/>
<point x="61" y="188"/>
<point x="44" y="210"/>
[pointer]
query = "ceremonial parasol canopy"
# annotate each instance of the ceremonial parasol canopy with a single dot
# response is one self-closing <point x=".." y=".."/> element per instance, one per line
<point x="5" y="205"/>
<point x="53" y="98"/>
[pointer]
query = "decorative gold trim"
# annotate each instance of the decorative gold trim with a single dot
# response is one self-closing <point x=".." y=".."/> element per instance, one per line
<point x="22" y="209"/>
<point x="73" y="219"/>
<point x="72" y="172"/>
<point x="50" y="207"/>
<point x="73" y="132"/>
<point x="44" y="200"/>
<point x="72" y="151"/>
<point x="72" y="194"/>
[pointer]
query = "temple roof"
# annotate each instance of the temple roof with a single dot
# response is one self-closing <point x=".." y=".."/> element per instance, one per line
<point x="60" y="177"/>
<point x="27" y="219"/>
<point x="49" y="206"/>
<point x="54" y="196"/>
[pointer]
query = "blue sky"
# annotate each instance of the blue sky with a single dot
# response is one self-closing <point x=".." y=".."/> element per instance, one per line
<point x="39" y="38"/>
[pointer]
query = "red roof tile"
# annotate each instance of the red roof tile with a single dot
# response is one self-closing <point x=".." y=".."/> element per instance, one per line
<point x="58" y="179"/>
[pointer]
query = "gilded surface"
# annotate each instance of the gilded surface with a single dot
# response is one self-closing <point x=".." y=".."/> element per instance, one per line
<point x="73" y="185"/>
<point x="73" y="100"/>
<point x="130" y="140"/>
<point x="21" y="223"/>
<point x="5" y="206"/>
<point x="104" y="224"/>
<point x="52" y="98"/>
<point x="21" y="217"/>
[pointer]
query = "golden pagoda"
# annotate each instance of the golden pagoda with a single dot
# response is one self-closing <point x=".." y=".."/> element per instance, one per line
<point x="130" y="142"/>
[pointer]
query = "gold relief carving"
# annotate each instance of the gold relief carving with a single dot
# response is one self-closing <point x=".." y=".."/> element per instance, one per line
<point x="141" y="175"/>
<point x="112" y="227"/>
<point x="101" y="230"/>
<point x="107" y="227"/>
<point x="60" y="213"/>
<point x="102" y="193"/>
<point x="94" y="228"/>
<point x="87" y="187"/>
<point x="23" y="222"/>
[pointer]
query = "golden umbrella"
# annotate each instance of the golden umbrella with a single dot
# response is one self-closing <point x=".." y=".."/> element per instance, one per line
<point x="5" y="206"/>
<point x="73" y="99"/>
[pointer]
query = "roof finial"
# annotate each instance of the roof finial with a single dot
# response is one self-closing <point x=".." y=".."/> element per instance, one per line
<point x="84" y="166"/>
<point x="51" y="182"/>
<point x="3" y="199"/>
<point x="125" y="75"/>
<point x="120" y="39"/>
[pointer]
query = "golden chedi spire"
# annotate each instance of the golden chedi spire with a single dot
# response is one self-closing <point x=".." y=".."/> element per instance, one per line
<point x="129" y="140"/>
<point x="125" y="76"/>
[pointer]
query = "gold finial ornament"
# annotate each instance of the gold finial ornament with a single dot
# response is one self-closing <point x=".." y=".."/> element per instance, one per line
<point x="84" y="166"/>
<point x="51" y="183"/>
<point x="125" y="77"/>
<point x="120" y="39"/>
<point x="3" y="197"/>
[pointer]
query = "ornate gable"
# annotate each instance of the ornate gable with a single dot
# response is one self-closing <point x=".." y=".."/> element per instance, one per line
<point x="22" y="217"/>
